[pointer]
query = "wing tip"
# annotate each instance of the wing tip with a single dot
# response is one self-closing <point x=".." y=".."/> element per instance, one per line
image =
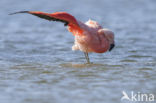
<point x="18" y="12"/>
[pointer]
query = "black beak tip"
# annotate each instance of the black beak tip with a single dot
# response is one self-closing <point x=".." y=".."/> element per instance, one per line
<point x="111" y="47"/>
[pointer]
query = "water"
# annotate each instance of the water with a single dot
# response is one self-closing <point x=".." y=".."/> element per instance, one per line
<point x="37" y="64"/>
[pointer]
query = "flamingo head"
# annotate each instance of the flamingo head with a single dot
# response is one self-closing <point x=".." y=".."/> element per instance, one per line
<point x="111" y="41"/>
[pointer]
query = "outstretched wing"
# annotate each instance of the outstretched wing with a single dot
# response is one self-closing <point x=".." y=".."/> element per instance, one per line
<point x="63" y="17"/>
<point x="42" y="15"/>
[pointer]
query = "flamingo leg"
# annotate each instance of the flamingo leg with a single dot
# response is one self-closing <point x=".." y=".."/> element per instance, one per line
<point x="87" y="57"/>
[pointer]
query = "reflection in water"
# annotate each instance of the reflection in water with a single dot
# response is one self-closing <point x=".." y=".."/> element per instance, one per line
<point x="73" y="65"/>
<point x="128" y="60"/>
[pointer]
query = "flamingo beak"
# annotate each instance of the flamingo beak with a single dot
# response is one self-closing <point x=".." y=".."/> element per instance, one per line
<point x="111" y="46"/>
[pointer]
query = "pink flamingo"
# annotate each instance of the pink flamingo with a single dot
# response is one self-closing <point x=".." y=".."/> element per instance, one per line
<point x="89" y="36"/>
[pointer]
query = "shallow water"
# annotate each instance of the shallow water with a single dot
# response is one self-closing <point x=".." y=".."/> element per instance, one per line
<point x="37" y="64"/>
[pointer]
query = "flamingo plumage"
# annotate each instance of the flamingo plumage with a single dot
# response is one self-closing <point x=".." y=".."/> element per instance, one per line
<point x="89" y="36"/>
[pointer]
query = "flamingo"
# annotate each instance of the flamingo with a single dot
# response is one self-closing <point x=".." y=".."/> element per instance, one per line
<point x="89" y="36"/>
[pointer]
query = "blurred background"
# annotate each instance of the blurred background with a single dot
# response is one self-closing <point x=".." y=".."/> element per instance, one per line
<point x="37" y="64"/>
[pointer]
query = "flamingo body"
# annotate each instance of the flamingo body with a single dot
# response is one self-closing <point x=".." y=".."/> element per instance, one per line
<point x="93" y="38"/>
